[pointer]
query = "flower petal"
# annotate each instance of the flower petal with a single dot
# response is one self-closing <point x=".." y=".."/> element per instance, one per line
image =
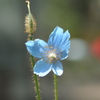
<point x="64" y="55"/>
<point x="42" y="68"/>
<point x="65" y="42"/>
<point x="57" y="68"/>
<point x="59" y="40"/>
<point x="36" y="47"/>
<point x="55" y="37"/>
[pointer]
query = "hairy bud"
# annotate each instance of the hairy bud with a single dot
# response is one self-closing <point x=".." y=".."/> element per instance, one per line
<point x="30" y="22"/>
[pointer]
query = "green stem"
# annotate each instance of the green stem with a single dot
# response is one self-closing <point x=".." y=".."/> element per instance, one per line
<point x="38" y="97"/>
<point x="55" y="87"/>
<point x="30" y="26"/>
<point x="36" y="80"/>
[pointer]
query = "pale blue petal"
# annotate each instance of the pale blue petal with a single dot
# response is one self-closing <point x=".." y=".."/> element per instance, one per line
<point x="37" y="47"/>
<point x="64" y="54"/>
<point x="65" y="46"/>
<point x="42" y="68"/>
<point x="57" y="68"/>
<point x="55" y="37"/>
<point x="65" y="43"/>
<point x="59" y="40"/>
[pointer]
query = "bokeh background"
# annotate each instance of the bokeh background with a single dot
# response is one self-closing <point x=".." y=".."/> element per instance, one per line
<point x="81" y="78"/>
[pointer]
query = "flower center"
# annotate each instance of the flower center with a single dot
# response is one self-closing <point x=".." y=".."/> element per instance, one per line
<point x="51" y="55"/>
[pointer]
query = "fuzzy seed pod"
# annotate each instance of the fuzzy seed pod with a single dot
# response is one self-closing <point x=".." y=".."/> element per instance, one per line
<point x="30" y="22"/>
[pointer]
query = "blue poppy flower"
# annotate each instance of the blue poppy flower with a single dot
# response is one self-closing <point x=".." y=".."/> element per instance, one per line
<point x="50" y="53"/>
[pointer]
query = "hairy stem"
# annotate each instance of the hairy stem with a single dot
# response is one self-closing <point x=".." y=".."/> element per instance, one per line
<point x="30" y="26"/>
<point x="36" y="80"/>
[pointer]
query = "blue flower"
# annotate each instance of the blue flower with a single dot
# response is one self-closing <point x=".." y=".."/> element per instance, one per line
<point x="50" y="53"/>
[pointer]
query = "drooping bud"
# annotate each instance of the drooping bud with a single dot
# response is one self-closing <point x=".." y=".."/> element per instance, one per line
<point x="30" y="22"/>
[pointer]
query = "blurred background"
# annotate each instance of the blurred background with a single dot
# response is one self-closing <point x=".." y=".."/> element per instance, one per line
<point x="81" y="78"/>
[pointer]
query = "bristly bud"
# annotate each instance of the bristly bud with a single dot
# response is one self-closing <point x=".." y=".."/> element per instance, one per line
<point x="30" y="22"/>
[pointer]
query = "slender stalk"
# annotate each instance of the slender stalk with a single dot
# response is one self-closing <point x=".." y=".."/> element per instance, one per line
<point x="30" y="26"/>
<point x="36" y="81"/>
<point x="55" y="87"/>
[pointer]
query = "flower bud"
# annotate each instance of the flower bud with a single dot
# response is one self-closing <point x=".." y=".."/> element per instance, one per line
<point x="30" y="22"/>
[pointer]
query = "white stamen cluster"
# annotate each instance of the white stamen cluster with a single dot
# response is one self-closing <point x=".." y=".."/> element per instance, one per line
<point x="52" y="55"/>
